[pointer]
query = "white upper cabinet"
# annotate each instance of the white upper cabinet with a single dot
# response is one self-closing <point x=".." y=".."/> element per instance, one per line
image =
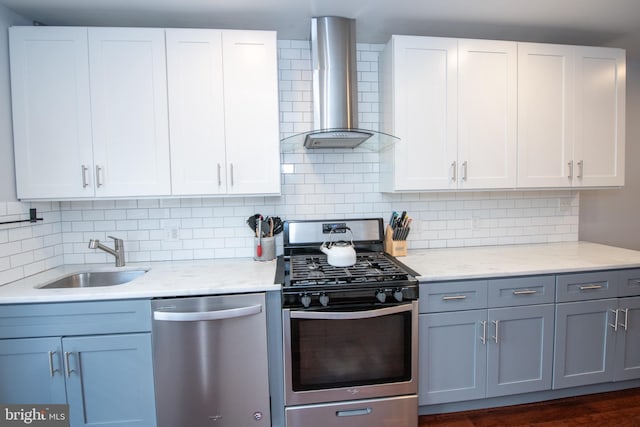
<point x="571" y="115"/>
<point x="419" y="84"/>
<point x="51" y="112"/>
<point x="129" y="110"/>
<point x="196" y="111"/>
<point x="453" y="105"/>
<point x="545" y="114"/>
<point x="600" y="76"/>
<point x="252" y="122"/>
<point x="223" y="106"/>
<point x="487" y="115"/>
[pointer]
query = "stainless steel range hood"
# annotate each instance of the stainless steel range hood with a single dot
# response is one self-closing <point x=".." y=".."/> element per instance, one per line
<point x="335" y="90"/>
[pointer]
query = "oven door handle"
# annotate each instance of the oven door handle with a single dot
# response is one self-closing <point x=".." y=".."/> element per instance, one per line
<point x="349" y="315"/>
<point x="176" y="316"/>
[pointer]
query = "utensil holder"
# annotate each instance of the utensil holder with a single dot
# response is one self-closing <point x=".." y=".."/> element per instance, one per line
<point x="268" y="249"/>
<point x="394" y="247"/>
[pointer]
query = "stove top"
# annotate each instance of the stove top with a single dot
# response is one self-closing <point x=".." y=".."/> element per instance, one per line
<point x="314" y="270"/>
<point x="310" y="282"/>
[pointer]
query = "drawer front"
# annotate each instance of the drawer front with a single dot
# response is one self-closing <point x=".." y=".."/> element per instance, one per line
<point x="586" y="286"/>
<point x="521" y="291"/>
<point x="74" y="318"/>
<point x="399" y="411"/>
<point x="453" y="296"/>
<point x="629" y="284"/>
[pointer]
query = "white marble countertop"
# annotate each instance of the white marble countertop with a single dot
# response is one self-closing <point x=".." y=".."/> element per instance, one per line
<point x="517" y="260"/>
<point x="164" y="279"/>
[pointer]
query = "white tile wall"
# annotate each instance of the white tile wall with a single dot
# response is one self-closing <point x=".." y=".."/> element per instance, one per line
<point x="316" y="184"/>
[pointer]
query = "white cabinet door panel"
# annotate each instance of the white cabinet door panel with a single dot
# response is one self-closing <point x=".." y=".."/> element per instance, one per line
<point x="51" y="112"/>
<point x="196" y="111"/>
<point x="251" y="112"/>
<point x="129" y="106"/>
<point x="600" y="119"/>
<point x="487" y="119"/>
<point x="545" y="115"/>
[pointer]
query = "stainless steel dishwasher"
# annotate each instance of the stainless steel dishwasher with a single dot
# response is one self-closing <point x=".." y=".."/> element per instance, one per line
<point x="210" y="361"/>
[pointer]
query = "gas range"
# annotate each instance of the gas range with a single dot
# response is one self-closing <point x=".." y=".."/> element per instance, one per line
<point x="310" y="282"/>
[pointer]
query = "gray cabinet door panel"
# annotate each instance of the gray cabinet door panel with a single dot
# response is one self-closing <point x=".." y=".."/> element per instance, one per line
<point x="453" y="358"/>
<point x="628" y="340"/>
<point x="584" y="344"/>
<point x="520" y="349"/>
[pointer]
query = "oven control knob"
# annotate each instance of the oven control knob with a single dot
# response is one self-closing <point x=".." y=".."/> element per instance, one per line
<point x="305" y="300"/>
<point x="324" y="299"/>
<point x="397" y="294"/>
<point x="381" y="296"/>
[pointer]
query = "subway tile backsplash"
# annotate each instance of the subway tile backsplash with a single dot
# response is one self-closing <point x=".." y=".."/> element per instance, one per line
<point x="316" y="184"/>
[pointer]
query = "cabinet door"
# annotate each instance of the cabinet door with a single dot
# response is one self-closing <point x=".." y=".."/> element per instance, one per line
<point x="545" y="114"/>
<point x="453" y="357"/>
<point x="129" y="108"/>
<point x="584" y="343"/>
<point x="51" y="112"/>
<point x="600" y="116"/>
<point x="520" y="349"/>
<point x="196" y="112"/>
<point x="487" y="113"/>
<point x="31" y="371"/>
<point x="628" y="340"/>
<point x="251" y="111"/>
<point x="110" y="380"/>
<point x="425" y="112"/>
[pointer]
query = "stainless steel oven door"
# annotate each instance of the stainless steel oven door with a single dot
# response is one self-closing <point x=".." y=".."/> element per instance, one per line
<point x="347" y="355"/>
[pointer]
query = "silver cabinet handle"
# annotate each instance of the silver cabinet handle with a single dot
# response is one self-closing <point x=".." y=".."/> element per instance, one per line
<point x="570" y="164"/>
<point x="85" y="182"/>
<point x="219" y="175"/>
<point x="98" y="176"/>
<point x="354" y="412"/>
<point x="67" y="364"/>
<point x="526" y="292"/>
<point x="625" y="325"/>
<point x="454" y="297"/>
<point x="580" y="169"/>
<point x="192" y="316"/>
<point x="483" y="338"/>
<point x="231" y="171"/>
<point x="591" y="287"/>
<point x="464" y="170"/>
<point x="495" y="337"/>
<point x="614" y="325"/>
<point x="52" y="370"/>
<point x="454" y="172"/>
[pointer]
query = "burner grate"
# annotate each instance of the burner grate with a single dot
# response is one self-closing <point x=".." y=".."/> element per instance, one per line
<point x="308" y="270"/>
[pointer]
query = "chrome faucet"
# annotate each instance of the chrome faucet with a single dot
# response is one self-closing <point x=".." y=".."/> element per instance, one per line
<point x="117" y="251"/>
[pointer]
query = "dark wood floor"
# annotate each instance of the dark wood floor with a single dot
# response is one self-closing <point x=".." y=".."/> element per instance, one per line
<point x="615" y="409"/>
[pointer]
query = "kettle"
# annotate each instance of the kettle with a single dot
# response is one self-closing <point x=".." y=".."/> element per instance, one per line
<point x="339" y="254"/>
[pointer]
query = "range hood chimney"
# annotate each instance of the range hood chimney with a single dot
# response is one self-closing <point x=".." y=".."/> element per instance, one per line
<point x="335" y="90"/>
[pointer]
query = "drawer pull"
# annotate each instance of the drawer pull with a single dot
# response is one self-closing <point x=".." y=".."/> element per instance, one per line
<point x="454" y="298"/>
<point x="527" y="292"/>
<point x="590" y="287"/>
<point x="354" y="412"/>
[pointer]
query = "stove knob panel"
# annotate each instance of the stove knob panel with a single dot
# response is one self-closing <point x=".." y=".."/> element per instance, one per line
<point x="381" y="296"/>
<point x="397" y="294"/>
<point x="305" y="300"/>
<point x="324" y="299"/>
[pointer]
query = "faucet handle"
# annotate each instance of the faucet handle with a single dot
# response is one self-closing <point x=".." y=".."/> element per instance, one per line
<point x="117" y="242"/>
<point x="114" y="238"/>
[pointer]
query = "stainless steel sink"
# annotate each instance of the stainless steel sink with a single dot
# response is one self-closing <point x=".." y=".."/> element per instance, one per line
<point x="91" y="279"/>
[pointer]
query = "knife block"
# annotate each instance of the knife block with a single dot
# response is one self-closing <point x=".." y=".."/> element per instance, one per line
<point x="394" y="247"/>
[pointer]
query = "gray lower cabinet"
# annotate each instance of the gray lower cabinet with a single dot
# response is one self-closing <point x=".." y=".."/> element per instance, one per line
<point x="472" y="354"/>
<point x="95" y="356"/>
<point x="627" y="360"/>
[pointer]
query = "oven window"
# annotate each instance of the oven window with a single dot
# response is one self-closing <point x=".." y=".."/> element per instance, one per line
<point x="344" y="353"/>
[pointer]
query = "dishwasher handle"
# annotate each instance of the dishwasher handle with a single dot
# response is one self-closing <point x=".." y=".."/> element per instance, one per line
<point x="193" y="316"/>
